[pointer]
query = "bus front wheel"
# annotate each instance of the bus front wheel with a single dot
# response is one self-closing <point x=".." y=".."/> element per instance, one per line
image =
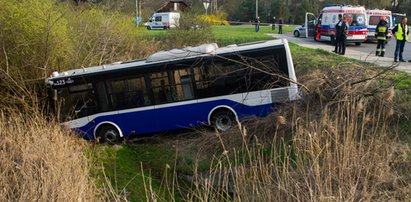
<point x="223" y="120"/>
<point x="109" y="134"/>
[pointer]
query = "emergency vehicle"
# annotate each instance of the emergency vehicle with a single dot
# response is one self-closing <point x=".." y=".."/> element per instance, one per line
<point x="374" y="17"/>
<point x="356" y="19"/>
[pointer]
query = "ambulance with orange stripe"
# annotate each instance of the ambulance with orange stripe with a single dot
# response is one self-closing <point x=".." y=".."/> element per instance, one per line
<point x="356" y="19"/>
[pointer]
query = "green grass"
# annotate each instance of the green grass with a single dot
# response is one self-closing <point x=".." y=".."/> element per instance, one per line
<point x="306" y="59"/>
<point x="150" y="34"/>
<point x="121" y="165"/>
<point x="225" y="35"/>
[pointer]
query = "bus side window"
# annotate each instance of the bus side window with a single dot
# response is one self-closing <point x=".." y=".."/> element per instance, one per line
<point x="102" y="96"/>
<point x="161" y="87"/>
<point x="128" y="92"/>
<point x="187" y="87"/>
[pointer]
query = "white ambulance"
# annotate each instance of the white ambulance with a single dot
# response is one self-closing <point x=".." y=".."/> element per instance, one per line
<point x="374" y="17"/>
<point x="328" y="18"/>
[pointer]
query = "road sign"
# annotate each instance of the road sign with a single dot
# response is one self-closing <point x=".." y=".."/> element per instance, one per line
<point x="206" y="3"/>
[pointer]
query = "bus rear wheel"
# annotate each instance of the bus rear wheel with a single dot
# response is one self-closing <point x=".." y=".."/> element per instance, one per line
<point x="109" y="134"/>
<point x="223" y="120"/>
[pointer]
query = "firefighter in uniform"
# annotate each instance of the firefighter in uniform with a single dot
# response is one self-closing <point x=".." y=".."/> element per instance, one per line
<point x="381" y="33"/>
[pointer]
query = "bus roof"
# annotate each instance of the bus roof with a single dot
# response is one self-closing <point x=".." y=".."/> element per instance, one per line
<point x="164" y="57"/>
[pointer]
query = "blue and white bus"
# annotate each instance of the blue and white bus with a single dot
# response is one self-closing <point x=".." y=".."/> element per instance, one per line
<point x="180" y="88"/>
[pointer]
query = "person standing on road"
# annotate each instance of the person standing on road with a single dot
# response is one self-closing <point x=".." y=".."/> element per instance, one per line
<point x="273" y="25"/>
<point x="400" y="32"/>
<point x="381" y="33"/>
<point x="257" y="24"/>
<point x="338" y="33"/>
<point x="343" y="36"/>
<point x="280" y="26"/>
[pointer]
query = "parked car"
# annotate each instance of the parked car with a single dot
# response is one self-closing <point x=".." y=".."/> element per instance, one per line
<point x="300" y="31"/>
<point x="167" y="20"/>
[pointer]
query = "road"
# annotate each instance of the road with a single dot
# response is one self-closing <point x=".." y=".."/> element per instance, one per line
<point x="365" y="52"/>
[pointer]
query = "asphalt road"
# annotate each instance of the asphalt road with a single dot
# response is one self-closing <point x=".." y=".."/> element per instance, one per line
<point x="365" y="52"/>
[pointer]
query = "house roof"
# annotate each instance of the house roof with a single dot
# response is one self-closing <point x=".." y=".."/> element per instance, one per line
<point x="172" y="1"/>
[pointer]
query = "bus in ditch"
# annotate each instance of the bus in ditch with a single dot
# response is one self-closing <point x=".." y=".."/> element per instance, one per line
<point x="179" y="88"/>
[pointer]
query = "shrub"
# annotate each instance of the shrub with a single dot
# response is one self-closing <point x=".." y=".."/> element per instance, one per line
<point x="217" y="19"/>
<point x="34" y="37"/>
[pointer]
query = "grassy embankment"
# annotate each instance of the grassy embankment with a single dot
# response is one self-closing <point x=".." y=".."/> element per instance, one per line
<point x="123" y="164"/>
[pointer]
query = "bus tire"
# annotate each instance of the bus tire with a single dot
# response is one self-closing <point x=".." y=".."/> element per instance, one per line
<point x="108" y="134"/>
<point x="223" y="119"/>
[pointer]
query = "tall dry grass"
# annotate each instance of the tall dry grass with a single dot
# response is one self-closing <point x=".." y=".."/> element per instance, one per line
<point x="350" y="154"/>
<point x="344" y="147"/>
<point x="41" y="162"/>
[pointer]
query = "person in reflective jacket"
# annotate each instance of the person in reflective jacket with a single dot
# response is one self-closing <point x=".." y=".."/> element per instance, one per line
<point x="381" y="33"/>
<point x="400" y="32"/>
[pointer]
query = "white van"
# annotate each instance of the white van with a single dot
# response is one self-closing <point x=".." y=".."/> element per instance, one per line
<point x="374" y="17"/>
<point x="356" y="18"/>
<point x="168" y="20"/>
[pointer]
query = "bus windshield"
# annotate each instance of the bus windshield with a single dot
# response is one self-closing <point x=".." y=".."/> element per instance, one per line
<point x="76" y="101"/>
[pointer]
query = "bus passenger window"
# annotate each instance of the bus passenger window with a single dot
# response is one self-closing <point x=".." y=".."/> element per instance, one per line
<point x="187" y="87"/>
<point x="128" y="93"/>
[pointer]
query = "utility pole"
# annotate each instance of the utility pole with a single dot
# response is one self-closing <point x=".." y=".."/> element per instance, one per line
<point x="138" y="12"/>
<point x="215" y="7"/>
<point x="256" y="9"/>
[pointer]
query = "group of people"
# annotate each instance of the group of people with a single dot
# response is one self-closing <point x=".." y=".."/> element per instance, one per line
<point x="400" y="32"/>
<point x="280" y="25"/>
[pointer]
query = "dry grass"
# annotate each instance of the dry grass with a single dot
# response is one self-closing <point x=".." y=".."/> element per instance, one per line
<point x="41" y="162"/>
<point x="343" y="145"/>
